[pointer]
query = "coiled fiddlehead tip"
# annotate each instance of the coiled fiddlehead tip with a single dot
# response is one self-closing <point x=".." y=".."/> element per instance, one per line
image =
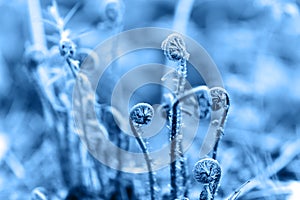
<point x="207" y="171"/>
<point x="174" y="48"/>
<point x="141" y="114"/>
<point x="220" y="98"/>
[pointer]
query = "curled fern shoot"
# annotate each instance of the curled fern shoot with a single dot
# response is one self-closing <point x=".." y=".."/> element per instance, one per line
<point x="141" y="115"/>
<point x="208" y="172"/>
<point x="220" y="101"/>
<point x="175" y="50"/>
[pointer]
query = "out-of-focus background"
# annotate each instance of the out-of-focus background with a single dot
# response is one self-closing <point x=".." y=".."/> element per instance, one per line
<point x="254" y="43"/>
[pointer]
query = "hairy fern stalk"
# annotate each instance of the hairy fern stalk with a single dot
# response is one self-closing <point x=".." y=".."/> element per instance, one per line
<point x="141" y="115"/>
<point x="175" y="50"/>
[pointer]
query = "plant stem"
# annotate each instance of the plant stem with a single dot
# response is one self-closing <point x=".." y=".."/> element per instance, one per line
<point x="182" y="13"/>
<point x="222" y="119"/>
<point x="181" y="18"/>
<point x="175" y="115"/>
<point x="189" y="93"/>
<point x="220" y="132"/>
<point x="147" y="158"/>
<point x="214" y="155"/>
<point x="37" y="29"/>
<point x="182" y="162"/>
<point x="176" y="137"/>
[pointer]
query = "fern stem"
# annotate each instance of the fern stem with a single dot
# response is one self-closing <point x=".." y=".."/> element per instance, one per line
<point x="175" y="115"/>
<point x="181" y="18"/>
<point x="220" y="132"/>
<point x="175" y="123"/>
<point x="145" y="151"/>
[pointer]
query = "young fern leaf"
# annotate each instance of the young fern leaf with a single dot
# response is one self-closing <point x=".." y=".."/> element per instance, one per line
<point x="141" y="115"/>
<point x="220" y="101"/>
<point x="175" y="50"/>
<point x="208" y="172"/>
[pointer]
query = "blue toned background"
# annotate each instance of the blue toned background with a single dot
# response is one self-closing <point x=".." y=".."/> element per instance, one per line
<point x="254" y="43"/>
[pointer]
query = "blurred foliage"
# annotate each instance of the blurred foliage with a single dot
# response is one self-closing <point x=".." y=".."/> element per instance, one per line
<point x="255" y="44"/>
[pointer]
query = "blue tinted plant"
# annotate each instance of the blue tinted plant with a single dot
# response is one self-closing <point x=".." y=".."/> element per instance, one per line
<point x="175" y="50"/>
<point x="214" y="99"/>
<point x="141" y="115"/>
<point x="208" y="172"/>
<point x="220" y="101"/>
<point x="56" y="101"/>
